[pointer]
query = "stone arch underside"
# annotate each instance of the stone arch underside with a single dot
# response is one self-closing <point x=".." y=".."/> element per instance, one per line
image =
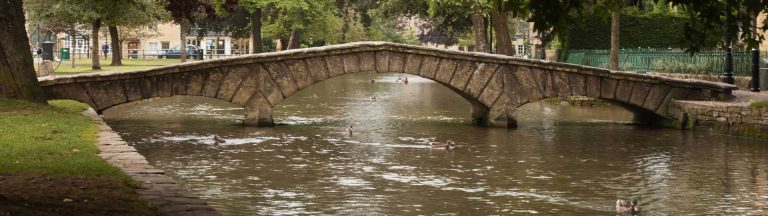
<point x="495" y="85"/>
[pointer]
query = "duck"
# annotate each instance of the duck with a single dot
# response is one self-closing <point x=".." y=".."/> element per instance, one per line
<point x="349" y="130"/>
<point x="442" y="146"/>
<point x="218" y="140"/>
<point x="405" y="80"/>
<point x="373" y="81"/>
<point x="373" y="98"/>
<point x="627" y="206"/>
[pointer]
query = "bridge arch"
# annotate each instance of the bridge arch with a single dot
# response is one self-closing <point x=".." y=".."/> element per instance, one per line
<point x="495" y="85"/>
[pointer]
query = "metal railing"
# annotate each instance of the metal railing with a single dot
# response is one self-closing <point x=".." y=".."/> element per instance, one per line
<point x="666" y="61"/>
<point x="153" y="54"/>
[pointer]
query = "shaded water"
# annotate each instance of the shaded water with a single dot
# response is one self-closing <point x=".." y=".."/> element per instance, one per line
<point x="562" y="160"/>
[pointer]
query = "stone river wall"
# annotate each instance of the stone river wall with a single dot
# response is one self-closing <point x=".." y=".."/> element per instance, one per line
<point x="155" y="187"/>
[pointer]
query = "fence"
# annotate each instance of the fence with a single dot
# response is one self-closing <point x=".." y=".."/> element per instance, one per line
<point x="667" y="61"/>
<point x="151" y="54"/>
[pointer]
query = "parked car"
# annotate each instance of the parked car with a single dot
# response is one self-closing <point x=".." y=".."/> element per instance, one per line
<point x="175" y="52"/>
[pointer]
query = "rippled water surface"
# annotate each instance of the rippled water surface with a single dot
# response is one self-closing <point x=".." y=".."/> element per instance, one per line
<point x="562" y="160"/>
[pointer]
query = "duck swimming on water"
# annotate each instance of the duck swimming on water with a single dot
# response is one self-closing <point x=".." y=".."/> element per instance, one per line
<point x="448" y="145"/>
<point x="349" y="130"/>
<point x="218" y="140"/>
<point x="627" y="206"/>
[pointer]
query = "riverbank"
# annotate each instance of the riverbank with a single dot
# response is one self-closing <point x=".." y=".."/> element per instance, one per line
<point x="155" y="187"/>
<point x="49" y="165"/>
<point x="745" y="115"/>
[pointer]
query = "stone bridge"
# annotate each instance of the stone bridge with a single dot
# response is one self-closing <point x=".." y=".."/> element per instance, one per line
<point x="495" y="85"/>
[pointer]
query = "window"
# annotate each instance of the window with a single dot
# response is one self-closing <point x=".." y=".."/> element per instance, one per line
<point x="153" y="47"/>
<point x="166" y="45"/>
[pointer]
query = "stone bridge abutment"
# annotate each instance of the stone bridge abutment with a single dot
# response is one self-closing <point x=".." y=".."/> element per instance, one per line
<point x="495" y="85"/>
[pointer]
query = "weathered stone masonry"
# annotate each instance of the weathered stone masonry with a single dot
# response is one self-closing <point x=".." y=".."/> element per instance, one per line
<point x="495" y="85"/>
<point x="730" y="118"/>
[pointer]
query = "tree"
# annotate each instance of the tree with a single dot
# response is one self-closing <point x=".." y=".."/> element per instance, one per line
<point x="616" y="6"/>
<point x="130" y="15"/>
<point x="17" y="72"/>
<point x="252" y="9"/>
<point x="737" y="17"/>
<point x="183" y="13"/>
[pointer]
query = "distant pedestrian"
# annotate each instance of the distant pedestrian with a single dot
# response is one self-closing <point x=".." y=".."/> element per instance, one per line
<point x="105" y="50"/>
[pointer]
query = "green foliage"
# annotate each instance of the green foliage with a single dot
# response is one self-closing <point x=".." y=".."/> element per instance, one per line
<point x="591" y="30"/>
<point x="386" y="30"/>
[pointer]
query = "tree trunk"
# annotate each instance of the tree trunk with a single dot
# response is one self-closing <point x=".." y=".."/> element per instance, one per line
<point x="478" y="27"/>
<point x="256" y="31"/>
<point x="295" y="41"/>
<point x="117" y="50"/>
<point x="615" y="25"/>
<point x="17" y="71"/>
<point x="183" y="39"/>
<point x="501" y="29"/>
<point x="95" y="64"/>
<point x="72" y="48"/>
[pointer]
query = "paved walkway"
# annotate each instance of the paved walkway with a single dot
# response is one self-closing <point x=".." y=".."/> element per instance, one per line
<point x="155" y="187"/>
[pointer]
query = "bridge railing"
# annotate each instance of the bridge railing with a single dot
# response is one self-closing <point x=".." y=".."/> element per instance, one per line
<point x="665" y="61"/>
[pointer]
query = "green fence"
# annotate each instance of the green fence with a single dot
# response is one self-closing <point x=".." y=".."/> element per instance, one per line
<point x="666" y="61"/>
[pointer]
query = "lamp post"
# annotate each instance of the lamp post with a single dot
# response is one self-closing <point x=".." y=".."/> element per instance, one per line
<point x="728" y="69"/>
<point x="755" y="87"/>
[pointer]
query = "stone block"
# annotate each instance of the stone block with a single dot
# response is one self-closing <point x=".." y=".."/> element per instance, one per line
<point x="656" y="96"/>
<point x="640" y="93"/>
<point x="231" y="82"/>
<point x="382" y="61"/>
<point x="562" y="83"/>
<point x="267" y="86"/>
<point x="578" y="83"/>
<point x="675" y="93"/>
<point x="367" y="61"/>
<point x="527" y="87"/>
<point x="412" y="64"/>
<point x="493" y="89"/>
<point x="351" y="63"/>
<point x="148" y="87"/>
<point x="318" y="69"/>
<point x="429" y="66"/>
<point x="195" y="83"/>
<point x="464" y="71"/>
<point x="608" y="88"/>
<point x="179" y="83"/>
<point x="593" y="86"/>
<point x="283" y="78"/>
<point x="624" y="91"/>
<point x="545" y="82"/>
<point x="133" y="89"/>
<point x="248" y="87"/>
<point x="514" y="92"/>
<point x="335" y="65"/>
<point x="106" y="94"/>
<point x="479" y="79"/>
<point x="299" y="72"/>
<point x="396" y="62"/>
<point x="445" y="70"/>
<point x="212" y="84"/>
<point x="164" y="85"/>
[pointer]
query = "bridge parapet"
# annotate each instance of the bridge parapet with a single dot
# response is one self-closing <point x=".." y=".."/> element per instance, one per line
<point x="494" y="84"/>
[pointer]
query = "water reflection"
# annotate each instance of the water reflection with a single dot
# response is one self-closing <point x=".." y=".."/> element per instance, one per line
<point x="563" y="160"/>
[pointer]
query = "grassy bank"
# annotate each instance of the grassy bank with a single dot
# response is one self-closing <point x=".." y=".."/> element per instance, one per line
<point x="84" y="65"/>
<point x="758" y="105"/>
<point x="48" y="164"/>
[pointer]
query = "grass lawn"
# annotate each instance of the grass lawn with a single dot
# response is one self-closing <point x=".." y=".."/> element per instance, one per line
<point x="760" y="104"/>
<point x="84" y="65"/>
<point x="48" y="164"/>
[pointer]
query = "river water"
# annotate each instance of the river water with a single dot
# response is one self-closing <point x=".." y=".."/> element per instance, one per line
<point x="563" y="160"/>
